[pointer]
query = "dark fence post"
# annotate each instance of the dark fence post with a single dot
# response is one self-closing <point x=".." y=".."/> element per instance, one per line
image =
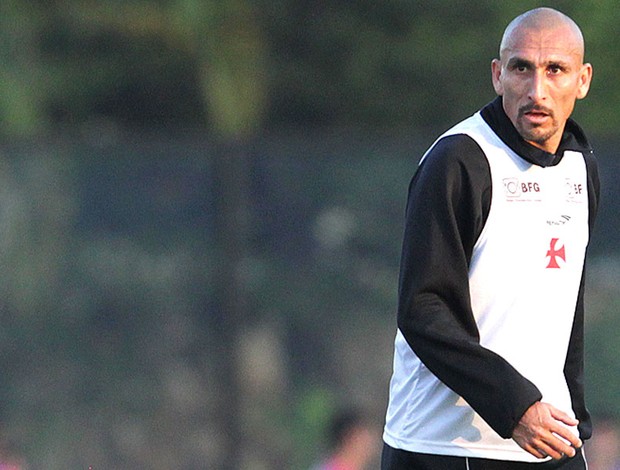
<point x="232" y="206"/>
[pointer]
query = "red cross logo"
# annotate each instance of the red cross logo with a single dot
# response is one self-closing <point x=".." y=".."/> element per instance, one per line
<point x="554" y="253"/>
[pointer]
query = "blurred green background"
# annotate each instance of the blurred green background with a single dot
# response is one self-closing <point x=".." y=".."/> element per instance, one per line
<point x="201" y="214"/>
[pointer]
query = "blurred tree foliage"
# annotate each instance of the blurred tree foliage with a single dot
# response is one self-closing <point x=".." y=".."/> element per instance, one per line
<point x="113" y="348"/>
<point x="254" y="64"/>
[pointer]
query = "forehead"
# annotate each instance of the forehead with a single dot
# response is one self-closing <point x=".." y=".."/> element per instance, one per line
<point x="543" y="45"/>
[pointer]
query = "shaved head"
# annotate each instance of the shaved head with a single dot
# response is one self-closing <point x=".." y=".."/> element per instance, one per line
<point x="540" y="74"/>
<point x="542" y="19"/>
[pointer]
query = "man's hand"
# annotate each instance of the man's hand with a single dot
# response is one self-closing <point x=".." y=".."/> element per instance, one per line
<point x="543" y="431"/>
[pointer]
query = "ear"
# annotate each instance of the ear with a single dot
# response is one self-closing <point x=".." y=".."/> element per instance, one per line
<point x="496" y="72"/>
<point x="585" y="78"/>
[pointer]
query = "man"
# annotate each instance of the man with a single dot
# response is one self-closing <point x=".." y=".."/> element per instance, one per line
<point x="352" y="441"/>
<point x="488" y="363"/>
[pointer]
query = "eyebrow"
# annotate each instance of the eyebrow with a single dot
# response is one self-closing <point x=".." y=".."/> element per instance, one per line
<point x="520" y="61"/>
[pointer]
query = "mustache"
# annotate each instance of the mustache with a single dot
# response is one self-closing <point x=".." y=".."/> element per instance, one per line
<point x="536" y="108"/>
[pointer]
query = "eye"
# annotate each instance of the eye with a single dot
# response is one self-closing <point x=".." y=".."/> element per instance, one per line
<point x="519" y="66"/>
<point x="555" y="69"/>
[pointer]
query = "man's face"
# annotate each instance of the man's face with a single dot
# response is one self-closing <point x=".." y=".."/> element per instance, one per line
<point x="540" y="75"/>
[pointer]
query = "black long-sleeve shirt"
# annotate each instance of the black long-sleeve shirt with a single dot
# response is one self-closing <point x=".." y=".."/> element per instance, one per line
<point x="448" y="209"/>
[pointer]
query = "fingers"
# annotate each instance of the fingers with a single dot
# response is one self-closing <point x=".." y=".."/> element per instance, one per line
<point x="543" y="432"/>
<point x="562" y="431"/>
<point x="535" y="452"/>
<point x="556" y="449"/>
<point x="549" y="445"/>
<point x="561" y="416"/>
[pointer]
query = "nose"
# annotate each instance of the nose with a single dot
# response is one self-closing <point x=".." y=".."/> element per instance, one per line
<point x="538" y="87"/>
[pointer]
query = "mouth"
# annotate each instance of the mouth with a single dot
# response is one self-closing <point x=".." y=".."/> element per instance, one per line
<point x="536" y="115"/>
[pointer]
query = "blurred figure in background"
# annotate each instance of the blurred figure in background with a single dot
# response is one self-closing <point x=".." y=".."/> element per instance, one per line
<point x="10" y="457"/>
<point x="10" y="466"/>
<point x="603" y="451"/>
<point x="353" y="442"/>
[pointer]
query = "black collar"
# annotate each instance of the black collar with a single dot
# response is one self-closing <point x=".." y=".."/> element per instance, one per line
<point x="572" y="139"/>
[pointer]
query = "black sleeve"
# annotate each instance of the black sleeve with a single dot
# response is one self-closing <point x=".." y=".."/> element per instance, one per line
<point x="574" y="366"/>
<point x="449" y="200"/>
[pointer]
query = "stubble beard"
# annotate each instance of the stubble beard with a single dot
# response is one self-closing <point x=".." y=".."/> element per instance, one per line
<point x="536" y="133"/>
